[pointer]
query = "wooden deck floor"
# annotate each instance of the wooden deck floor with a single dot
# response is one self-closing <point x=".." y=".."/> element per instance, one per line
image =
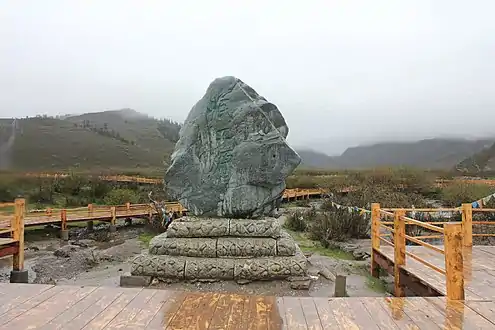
<point x="32" y="306"/>
<point x="479" y="269"/>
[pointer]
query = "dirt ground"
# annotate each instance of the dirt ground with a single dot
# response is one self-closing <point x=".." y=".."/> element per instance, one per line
<point x="99" y="258"/>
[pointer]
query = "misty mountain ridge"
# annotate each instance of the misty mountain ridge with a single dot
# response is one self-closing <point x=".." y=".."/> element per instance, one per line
<point x="127" y="139"/>
<point x="437" y="153"/>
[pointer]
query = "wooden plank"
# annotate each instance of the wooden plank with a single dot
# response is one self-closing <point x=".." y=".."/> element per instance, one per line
<point x="274" y="318"/>
<point x="44" y="312"/>
<point x="112" y="310"/>
<point x="407" y="315"/>
<point x="198" y="309"/>
<point x="310" y="313"/>
<point x="185" y="314"/>
<point x="229" y="312"/>
<point x="149" y="310"/>
<point x="167" y="311"/>
<point x="281" y="311"/>
<point x="351" y="313"/>
<point x="380" y="316"/>
<point x="484" y="248"/>
<point x="325" y="314"/>
<point x="131" y="310"/>
<point x="13" y="295"/>
<point x="17" y="310"/>
<point x="256" y="311"/>
<point x="78" y="308"/>
<point x="458" y="316"/>
<point x="483" y="308"/>
<point x="107" y="298"/>
<point x="294" y="313"/>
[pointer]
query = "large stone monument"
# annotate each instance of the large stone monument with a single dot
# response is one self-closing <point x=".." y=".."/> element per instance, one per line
<point x="228" y="169"/>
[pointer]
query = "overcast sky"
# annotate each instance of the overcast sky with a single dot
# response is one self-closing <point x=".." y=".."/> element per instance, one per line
<point x="342" y="72"/>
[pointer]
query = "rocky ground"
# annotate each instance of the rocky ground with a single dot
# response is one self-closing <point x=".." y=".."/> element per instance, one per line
<point x="99" y="258"/>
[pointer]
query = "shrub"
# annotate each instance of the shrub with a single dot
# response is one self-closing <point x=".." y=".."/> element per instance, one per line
<point x="299" y="220"/>
<point x="460" y="192"/>
<point x="302" y="203"/>
<point x="121" y="196"/>
<point x="338" y="225"/>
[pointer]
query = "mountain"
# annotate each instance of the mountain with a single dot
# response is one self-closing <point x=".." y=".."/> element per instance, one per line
<point x="430" y="153"/>
<point x="121" y="139"/>
<point x="126" y="140"/>
<point x="315" y="159"/>
<point x="484" y="160"/>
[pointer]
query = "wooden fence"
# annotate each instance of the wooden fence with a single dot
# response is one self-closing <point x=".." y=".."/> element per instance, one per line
<point x="388" y="226"/>
<point x="12" y="235"/>
<point x="111" y="213"/>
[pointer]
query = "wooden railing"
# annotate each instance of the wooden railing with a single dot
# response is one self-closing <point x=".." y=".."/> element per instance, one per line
<point x="451" y="232"/>
<point x="299" y="193"/>
<point x="88" y="213"/>
<point x="12" y="234"/>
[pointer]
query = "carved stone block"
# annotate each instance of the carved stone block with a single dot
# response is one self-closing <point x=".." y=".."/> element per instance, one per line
<point x="203" y="228"/>
<point x="204" y="268"/>
<point x="269" y="268"/>
<point x="188" y="247"/>
<point x="158" y="266"/>
<point x="246" y="247"/>
<point x="255" y="228"/>
<point x="286" y="245"/>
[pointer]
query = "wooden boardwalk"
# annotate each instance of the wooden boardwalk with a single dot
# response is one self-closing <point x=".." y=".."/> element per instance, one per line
<point x="479" y="270"/>
<point x="33" y="306"/>
<point x="105" y="213"/>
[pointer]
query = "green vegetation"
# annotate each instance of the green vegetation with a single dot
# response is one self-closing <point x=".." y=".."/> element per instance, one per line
<point x="72" y="191"/>
<point x="121" y="196"/>
<point x="391" y="187"/>
<point x="308" y="245"/>
<point x="121" y="140"/>
<point x="460" y="192"/>
<point x="479" y="162"/>
<point x="375" y="284"/>
<point x="145" y="238"/>
<point x="329" y="224"/>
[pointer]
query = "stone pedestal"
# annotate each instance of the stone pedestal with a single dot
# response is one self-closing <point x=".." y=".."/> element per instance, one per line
<point x="222" y="249"/>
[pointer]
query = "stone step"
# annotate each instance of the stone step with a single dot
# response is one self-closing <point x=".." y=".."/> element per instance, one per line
<point x="189" y="268"/>
<point x="189" y="227"/>
<point x="222" y="247"/>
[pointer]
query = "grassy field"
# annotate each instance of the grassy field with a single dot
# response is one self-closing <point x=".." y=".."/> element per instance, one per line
<point x="120" y="140"/>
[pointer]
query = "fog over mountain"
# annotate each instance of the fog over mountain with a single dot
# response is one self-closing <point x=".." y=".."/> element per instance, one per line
<point x="343" y="73"/>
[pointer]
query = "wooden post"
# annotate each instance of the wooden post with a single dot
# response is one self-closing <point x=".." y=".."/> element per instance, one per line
<point x="63" y="219"/>
<point x="90" y="210"/>
<point x="375" y="238"/>
<point x="399" y="250"/>
<point x="467" y="225"/>
<point x="128" y="207"/>
<point x="18" y="234"/>
<point x="114" y="215"/>
<point x="454" y="266"/>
